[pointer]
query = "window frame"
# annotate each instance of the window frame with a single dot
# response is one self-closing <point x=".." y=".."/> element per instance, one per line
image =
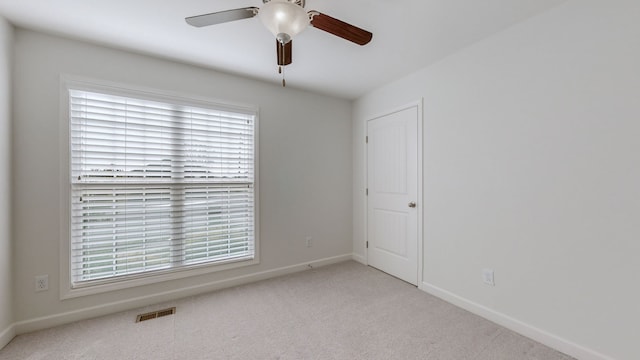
<point x="67" y="290"/>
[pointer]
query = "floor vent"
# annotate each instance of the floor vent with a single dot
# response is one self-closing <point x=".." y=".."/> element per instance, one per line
<point x="155" y="314"/>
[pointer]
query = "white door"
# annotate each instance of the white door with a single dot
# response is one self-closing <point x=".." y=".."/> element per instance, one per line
<point x="392" y="202"/>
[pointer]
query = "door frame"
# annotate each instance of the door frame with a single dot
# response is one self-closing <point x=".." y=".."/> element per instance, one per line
<point x="419" y="105"/>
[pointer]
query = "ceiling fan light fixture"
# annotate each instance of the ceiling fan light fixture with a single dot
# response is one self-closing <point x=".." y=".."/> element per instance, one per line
<point x="285" y="19"/>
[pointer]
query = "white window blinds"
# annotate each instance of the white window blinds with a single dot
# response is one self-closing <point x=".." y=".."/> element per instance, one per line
<point x="157" y="186"/>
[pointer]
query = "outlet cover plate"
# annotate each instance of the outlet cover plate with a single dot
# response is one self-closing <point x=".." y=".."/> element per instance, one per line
<point x="487" y="277"/>
<point x="42" y="282"/>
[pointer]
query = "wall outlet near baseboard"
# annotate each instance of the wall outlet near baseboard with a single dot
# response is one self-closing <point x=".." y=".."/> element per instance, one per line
<point x="42" y="283"/>
<point x="487" y="277"/>
<point x="309" y="241"/>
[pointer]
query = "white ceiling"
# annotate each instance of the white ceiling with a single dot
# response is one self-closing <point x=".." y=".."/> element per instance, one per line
<point x="407" y="35"/>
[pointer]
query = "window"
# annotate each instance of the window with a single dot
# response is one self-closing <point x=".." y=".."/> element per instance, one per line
<point x="157" y="185"/>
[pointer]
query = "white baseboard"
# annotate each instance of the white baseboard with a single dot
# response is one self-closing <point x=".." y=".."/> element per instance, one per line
<point x="151" y="299"/>
<point x="539" y="335"/>
<point x="359" y="258"/>
<point x="7" y="335"/>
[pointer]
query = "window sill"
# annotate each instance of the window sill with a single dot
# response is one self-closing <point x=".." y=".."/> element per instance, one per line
<point x="68" y="292"/>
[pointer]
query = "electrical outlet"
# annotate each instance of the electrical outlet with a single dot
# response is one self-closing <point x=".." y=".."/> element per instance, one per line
<point x="487" y="277"/>
<point x="42" y="282"/>
<point x="309" y="241"/>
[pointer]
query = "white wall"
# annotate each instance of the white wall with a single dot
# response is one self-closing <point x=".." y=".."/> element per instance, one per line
<point x="532" y="152"/>
<point x="6" y="271"/>
<point x="305" y="176"/>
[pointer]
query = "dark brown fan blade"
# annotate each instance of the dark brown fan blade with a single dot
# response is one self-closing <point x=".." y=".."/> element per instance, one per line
<point x="284" y="53"/>
<point x="222" y="17"/>
<point x="340" y="28"/>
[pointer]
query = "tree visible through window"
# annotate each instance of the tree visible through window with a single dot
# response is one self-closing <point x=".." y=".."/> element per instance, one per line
<point x="157" y="186"/>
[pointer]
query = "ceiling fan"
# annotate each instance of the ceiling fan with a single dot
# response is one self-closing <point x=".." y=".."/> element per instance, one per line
<point x="285" y="19"/>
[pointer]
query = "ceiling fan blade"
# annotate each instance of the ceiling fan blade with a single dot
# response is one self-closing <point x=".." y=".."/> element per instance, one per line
<point x="340" y="28"/>
<point x="222" y="17"/>
<point x="284" y="53"/>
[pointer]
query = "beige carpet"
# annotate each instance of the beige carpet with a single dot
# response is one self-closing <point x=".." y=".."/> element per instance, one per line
<point x="342" y="311"/>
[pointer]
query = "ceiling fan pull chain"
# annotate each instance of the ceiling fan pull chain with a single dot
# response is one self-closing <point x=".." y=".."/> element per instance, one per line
<point x="284" y="83"/>
<point x="279" y="69"/>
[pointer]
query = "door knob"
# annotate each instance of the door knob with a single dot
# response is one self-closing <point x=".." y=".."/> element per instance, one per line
<point x="412" y="204"/>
